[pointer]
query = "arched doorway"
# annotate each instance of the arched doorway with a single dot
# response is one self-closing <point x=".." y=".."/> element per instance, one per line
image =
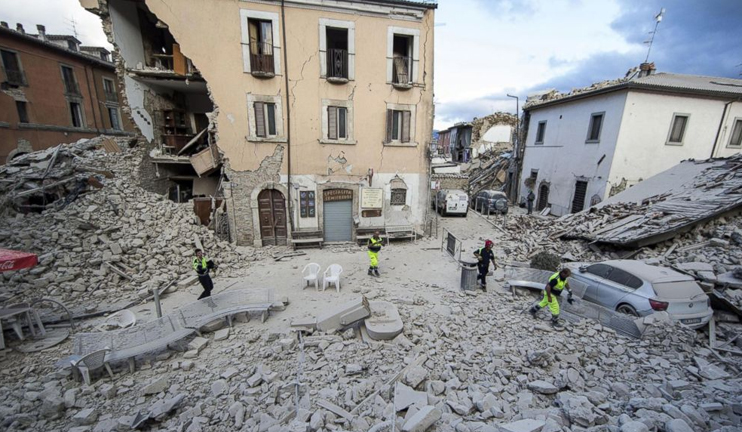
<point x="272" y="210"/>
<point x="543" y="196"/>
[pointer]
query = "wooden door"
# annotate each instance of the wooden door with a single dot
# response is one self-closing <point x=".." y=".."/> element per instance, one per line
<point x="543" y="197"/>
<point x="272" y="209"/>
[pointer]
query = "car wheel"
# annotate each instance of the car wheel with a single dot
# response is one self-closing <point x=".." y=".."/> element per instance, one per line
<point x="627" y="309"/>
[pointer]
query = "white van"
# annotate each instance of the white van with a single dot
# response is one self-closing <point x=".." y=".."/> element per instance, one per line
<point x="452" y="202"/>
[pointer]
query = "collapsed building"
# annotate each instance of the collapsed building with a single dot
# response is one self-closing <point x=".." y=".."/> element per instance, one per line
<point x="280" y="114"/>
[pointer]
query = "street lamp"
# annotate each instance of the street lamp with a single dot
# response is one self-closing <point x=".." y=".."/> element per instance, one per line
<point x="516" y="144"/>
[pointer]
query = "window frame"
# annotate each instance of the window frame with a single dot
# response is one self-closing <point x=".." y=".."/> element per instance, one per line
<point x="21" y="71"/>
<point x="107" y="80"/>
<point x="736" y="127"/>
<point x="324" y="138"/>
<point x="540" y="131"/>
<point x="307" y="204"/>
<point x="397" y="192"/>
<point x="350" y="26"/>
<point x="75" y="82"/>
<point x="24" y="118"/>
<point x="591" y="124"/>
<point x="277" y="103"/>
<point x="672" y="126"/>
<point x="247" y="14"/>
<point x="117" y="126"/>
<point x="80" y="112"/>
<point x="390" y="140"/>
<point x="403" y="31"/>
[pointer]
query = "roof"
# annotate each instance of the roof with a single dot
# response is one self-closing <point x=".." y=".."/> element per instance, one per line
<point x="94" y="48"/>
<point x="429" y="4"/>
<point x="662" y="82"/>
<point x="61" y="37"/>
<point x="652" y="274"/>
<point x="58" y="48"/>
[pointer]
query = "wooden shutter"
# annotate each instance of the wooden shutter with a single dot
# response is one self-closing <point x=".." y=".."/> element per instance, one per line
<point x="406" y="117"/>
<point x="259" y="119"/>
<point x="332" y="123"/>
<point x="389" y="122"/>
<point x="253" y="31"/>
<point x="342" y="123"/>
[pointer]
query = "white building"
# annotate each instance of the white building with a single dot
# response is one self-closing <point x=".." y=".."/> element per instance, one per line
<point x="590" y="144"/>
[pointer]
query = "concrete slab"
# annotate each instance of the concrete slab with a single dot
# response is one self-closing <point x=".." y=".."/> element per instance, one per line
<point x="344" y="315"/>
<point x="384" y="322"/>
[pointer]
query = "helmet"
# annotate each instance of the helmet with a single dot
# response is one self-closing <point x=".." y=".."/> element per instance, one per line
<point x="488" y="243"/>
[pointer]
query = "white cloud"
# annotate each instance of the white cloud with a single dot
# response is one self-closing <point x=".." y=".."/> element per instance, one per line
<point x="56" y="16"/>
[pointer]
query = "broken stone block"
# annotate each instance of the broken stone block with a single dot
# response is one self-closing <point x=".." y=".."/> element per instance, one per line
<point x="634" y="426"/>
<point x="52" y="407"/>
<point x="712" y="406"/>
<point x="219" y="387"/>
<point x="230" y="372"/>
<point x="107" y="390"/>
<point x="677" y="425"/>
<point x="316" y="421"/>
<point x="255" y="379"/>
<point x="422" y="420"/>
<point x="213" y="326"/>
<point x="415" y="375"/>
<point x="344" y="315"/>
<point x="222" y="334"/>
<point x="158" y="385"/>
<point x="527" y="425"/>
<point x="197" y="344"/>
<point x="405" y="397"/>
<point x="542" y="387"/>
<point x="85" y="417"/>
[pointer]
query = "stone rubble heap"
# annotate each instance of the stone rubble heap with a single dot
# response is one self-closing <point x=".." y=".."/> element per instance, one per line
<point x="470" y="363"/>
<point x="109" y="243"/>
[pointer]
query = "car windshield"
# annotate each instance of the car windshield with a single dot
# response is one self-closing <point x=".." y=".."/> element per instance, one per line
<point x="677" y="290"/>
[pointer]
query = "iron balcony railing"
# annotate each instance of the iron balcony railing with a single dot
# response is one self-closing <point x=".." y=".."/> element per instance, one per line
<point x="111" y="97"/>
<point x="401" y="70"/>
<point x="71" y="87"/>
<point x="337" y="63"/>
<point x="261" y="57"/>
<point x="15" y="77"/>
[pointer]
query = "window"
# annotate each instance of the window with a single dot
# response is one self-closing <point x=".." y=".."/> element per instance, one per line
<point x="337" y="52"/>
<point x="624" y="278"/>
<point x="600" y="270"/>
<point x="113" y="115"/>
<point x="22" y="111"/>
<point x="540" y="132"/>
<point x="337" y="123"/>
<point x="76" y="114"/>
<point x="265" y="119"/>
<point x="70" y="83"/>
<point x="306" y="204"/>
<point x="677" y="129"/>
<point x="398" y="126"/>
<point x="12" y="65"/>
<point x="261" y="44"/>
<point x="403" y="56"/>
<point x="736" y="138"/>
<point x="399" y="197"/>
<point x="71" y="45"/>
<point x="578" y="202"/>
<point x="596" y="124"/>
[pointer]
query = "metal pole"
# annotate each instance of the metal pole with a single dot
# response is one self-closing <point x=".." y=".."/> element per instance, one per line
<point x="158" y="307"/>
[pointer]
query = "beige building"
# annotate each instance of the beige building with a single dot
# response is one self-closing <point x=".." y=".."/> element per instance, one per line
<point x="322" y="110"/>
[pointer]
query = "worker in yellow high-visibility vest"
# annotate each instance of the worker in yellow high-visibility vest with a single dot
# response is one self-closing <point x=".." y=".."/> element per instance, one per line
<point x="557" y="283"/>
<point x="374" y="246"/>
<point x="202" y="266"/>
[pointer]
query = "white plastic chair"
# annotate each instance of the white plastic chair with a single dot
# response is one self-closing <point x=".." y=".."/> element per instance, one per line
<point x="311" y="275"/>
<point x="120" y="320"/>
<point x="332" y="276"/>
<point x="90" y="362"/>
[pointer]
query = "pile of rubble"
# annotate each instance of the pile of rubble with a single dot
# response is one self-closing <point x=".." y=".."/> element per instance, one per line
<point x="466" y="364"/>
<point x="106" y="242"/>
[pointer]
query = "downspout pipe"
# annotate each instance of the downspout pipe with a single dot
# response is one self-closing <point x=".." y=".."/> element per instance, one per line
<point x="721" y="124"/>
<point x="288" y="117"/>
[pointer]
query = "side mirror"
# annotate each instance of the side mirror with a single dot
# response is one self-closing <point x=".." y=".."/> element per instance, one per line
<point x="583" y="268"/>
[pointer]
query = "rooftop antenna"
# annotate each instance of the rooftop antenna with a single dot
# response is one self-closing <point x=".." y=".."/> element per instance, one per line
<point x="657" y="19"/>
<point x="72" y="23"/>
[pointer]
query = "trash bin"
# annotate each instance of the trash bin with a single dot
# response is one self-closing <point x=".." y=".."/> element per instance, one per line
<point x="468" y="274"/>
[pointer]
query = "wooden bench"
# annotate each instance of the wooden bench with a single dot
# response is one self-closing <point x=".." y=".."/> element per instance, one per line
<point x="301" y="238"/>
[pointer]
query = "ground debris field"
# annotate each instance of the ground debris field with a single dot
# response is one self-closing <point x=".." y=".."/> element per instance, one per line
<point x="465" y="360"/>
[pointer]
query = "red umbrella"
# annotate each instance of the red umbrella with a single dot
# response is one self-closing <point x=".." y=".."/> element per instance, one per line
<point x="15" y="260"/>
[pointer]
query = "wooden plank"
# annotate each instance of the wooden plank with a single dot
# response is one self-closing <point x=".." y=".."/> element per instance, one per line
<point x="117" y="270"/>
<point x="110" y="146"/>
<point x="335" y="409"/>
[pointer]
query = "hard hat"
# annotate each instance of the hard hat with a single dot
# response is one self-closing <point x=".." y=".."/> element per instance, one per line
<point x="488" y="243"/>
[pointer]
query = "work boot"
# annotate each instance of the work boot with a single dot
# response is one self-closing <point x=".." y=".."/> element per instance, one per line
<point x="555" y="321"/>
<point x="370" y="271"/>
<point x="376" y="271"/>
<point x="534" y="310"/>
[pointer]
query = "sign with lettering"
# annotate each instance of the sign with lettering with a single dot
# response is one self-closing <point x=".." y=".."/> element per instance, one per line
<point x="330" y="195"/>
<point x="372" y="198"/>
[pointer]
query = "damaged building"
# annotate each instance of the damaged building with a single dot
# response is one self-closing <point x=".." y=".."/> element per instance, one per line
<point x="52" y="90"/>
<point x="315" y="121"/>
<point x="592" y="143"/>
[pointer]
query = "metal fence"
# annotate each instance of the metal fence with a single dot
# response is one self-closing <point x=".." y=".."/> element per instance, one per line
<point x="337" y="63"/>
<point x="451" y="245"/>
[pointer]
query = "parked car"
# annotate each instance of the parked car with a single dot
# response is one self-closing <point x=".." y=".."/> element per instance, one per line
<point x="490" y="201"/>
<point x="639" y="289"/>
<point x="452" y="202"/>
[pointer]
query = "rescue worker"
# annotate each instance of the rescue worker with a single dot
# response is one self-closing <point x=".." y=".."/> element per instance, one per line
<point x="531" y="197"/>
<point x="557" y="283"/>
<point x="203" y="265"/>
<point x="484" y="256"/>
<point x="374" y="246"/>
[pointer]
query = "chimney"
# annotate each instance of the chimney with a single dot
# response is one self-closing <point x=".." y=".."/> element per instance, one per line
<point x="19" y="28"/>
<point x="42" y="31"/>
<point x="646" y="69"/>
<point x="4" y="24"/>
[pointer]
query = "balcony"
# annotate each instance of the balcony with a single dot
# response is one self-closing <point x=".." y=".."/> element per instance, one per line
<point x="261" y="59"/>
<point x="401" y="71"/>
<point x="15" y="77"/>
<point x="337" y="65"/>
<point x="71" y="87"/>
<point x="112" y="97"/>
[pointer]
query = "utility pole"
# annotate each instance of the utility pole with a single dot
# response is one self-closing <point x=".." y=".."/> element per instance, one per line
<point x="514" y="157"/>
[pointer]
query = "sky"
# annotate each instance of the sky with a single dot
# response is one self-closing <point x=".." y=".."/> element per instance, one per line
<point x="485" y="49"/>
